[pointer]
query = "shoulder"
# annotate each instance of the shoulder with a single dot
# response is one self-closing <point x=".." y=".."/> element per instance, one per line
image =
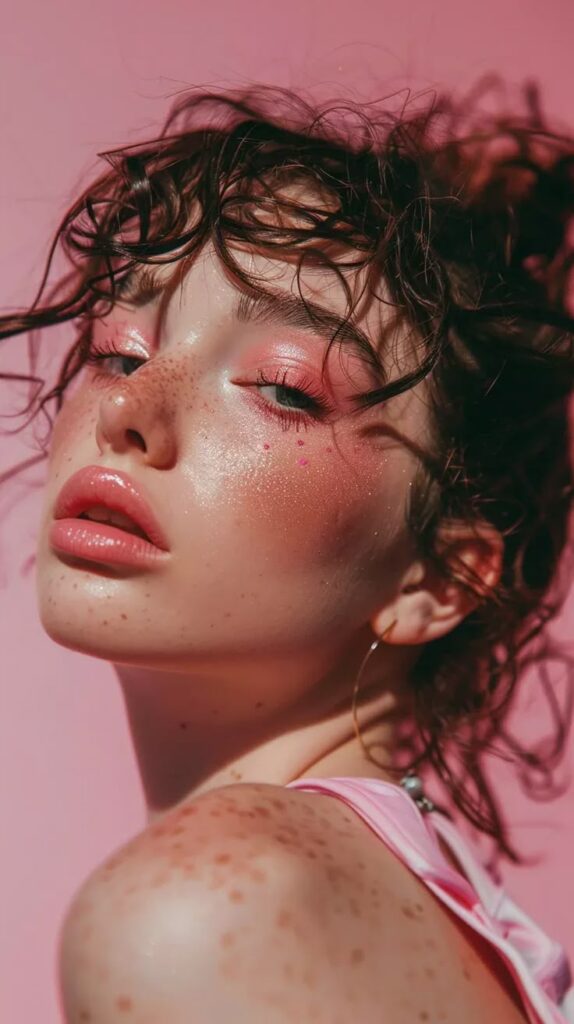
<point x="235" y="903"/>
<point x="260" y="904"/>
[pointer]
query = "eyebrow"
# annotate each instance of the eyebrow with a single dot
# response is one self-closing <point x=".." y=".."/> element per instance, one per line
<point x="142" y="285"/>
<point x="292" y="311"/>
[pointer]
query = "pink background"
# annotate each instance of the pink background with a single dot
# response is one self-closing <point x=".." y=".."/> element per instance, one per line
<point x="76" y="78"/>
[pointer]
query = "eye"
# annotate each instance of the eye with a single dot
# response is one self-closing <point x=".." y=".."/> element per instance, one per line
<point x="125" y="364"/>
<point x="299" y="394"/>
<point x="288" y="397"/>
<point x="297" y="404"/>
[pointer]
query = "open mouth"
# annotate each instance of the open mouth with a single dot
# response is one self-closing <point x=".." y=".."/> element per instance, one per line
<point x="101" y="514"/>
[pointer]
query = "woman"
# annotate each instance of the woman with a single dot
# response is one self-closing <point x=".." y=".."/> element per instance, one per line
<point x="308" y="491"/>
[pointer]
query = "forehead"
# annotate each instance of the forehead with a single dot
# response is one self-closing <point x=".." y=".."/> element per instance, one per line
<point x="280" y="211"/>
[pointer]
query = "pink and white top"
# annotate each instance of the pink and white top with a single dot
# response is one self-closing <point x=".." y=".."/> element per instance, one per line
<point x="538" y="965"/>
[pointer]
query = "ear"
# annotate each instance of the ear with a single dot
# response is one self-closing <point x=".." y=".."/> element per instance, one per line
<point x="428" y="604"/>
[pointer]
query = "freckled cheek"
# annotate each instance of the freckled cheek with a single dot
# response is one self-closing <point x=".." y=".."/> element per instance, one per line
<point x="309" y="507"/>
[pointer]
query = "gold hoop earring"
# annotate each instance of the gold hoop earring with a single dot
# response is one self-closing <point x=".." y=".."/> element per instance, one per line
<point x="358" y="677"/>
<point x="410" y="782"/>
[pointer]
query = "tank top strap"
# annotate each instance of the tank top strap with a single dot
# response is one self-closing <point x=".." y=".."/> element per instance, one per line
<point x="538" y="964"/>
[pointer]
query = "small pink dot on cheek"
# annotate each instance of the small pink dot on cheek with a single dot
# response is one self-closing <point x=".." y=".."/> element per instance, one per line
<point x="303" y="462"/>
<point x="300" y="443"/>
<point x="267" y="447"/>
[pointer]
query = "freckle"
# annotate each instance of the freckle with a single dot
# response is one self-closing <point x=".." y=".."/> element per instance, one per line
<point x="466" y="973"/>
<point x="279" y="804"/>
<point x="236" y="896"/>
<point x="267" y="447"/>
<point x="215" y="814"/>
<point x="257" y="875"/>
<point x="227" y="939"/>
<point x="407" y="910"/>
<point x="419" y="908"/>
<point x="263" y="812"/>
<point x="423" y="1015"/>
<point x="311" y="855"/>
<point x="124" y="1003"/>
<point x="300" y="443"/>
<point x="105" y="622"/>
<point x="124" y="616"/>
<point x="357" y="956"/>
<point x="222" y="858"/>
<point x="288" y="971"/>
<point x="186" y="811"/>
<point x="429" y="972"/>
<point x="259" y="704"/>
<point x="85" y="1015"/>
<point x="329" y="449"/>
<point x="284" y="919"/>
<point x="303" y="462"/>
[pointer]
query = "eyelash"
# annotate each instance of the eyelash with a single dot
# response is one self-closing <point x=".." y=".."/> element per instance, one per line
<point x="287" y="417"/>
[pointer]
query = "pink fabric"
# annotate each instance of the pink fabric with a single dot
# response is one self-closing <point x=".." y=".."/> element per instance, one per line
<point x="538" y="964"/>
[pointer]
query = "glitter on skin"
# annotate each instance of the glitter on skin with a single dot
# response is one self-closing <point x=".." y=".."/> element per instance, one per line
<point x="230" y="498"/>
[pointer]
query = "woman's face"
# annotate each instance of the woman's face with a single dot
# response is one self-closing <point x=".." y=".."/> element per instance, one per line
<point x="284" y="513"/>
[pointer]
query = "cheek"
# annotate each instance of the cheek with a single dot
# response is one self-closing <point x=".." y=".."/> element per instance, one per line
<point x="304" y="501"/>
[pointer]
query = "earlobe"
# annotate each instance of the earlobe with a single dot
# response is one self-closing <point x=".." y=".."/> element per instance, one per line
<point x="429" y="604"/>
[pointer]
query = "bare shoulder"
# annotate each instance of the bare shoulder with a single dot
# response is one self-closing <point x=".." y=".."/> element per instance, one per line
<point x="260" y="903"/>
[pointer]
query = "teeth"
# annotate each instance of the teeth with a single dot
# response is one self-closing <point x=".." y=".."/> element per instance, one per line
<point x="101" y="514"/>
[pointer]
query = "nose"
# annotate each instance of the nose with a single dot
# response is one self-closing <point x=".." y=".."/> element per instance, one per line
<point x="132" y="419"/>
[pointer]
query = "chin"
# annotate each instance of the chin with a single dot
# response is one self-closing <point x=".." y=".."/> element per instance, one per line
<point x="77" y="609"/>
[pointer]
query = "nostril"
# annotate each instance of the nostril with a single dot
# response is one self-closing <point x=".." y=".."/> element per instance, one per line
<point x="135" y="438"/>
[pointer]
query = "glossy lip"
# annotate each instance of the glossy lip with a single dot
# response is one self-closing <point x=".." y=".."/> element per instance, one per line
<point x="108" y="546"/>
<point x="97" y="485"/>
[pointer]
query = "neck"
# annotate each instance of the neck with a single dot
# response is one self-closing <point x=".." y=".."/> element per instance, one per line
<point x="197" y="731"/>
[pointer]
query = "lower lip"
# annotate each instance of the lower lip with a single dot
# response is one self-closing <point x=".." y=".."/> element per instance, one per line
<point x="100" y="542"/>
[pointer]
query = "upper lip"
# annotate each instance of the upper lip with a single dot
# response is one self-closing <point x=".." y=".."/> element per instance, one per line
<point x="96" y="485"/>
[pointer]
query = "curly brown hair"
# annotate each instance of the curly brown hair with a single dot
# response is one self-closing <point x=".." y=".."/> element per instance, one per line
<point x="467" y="229"/>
